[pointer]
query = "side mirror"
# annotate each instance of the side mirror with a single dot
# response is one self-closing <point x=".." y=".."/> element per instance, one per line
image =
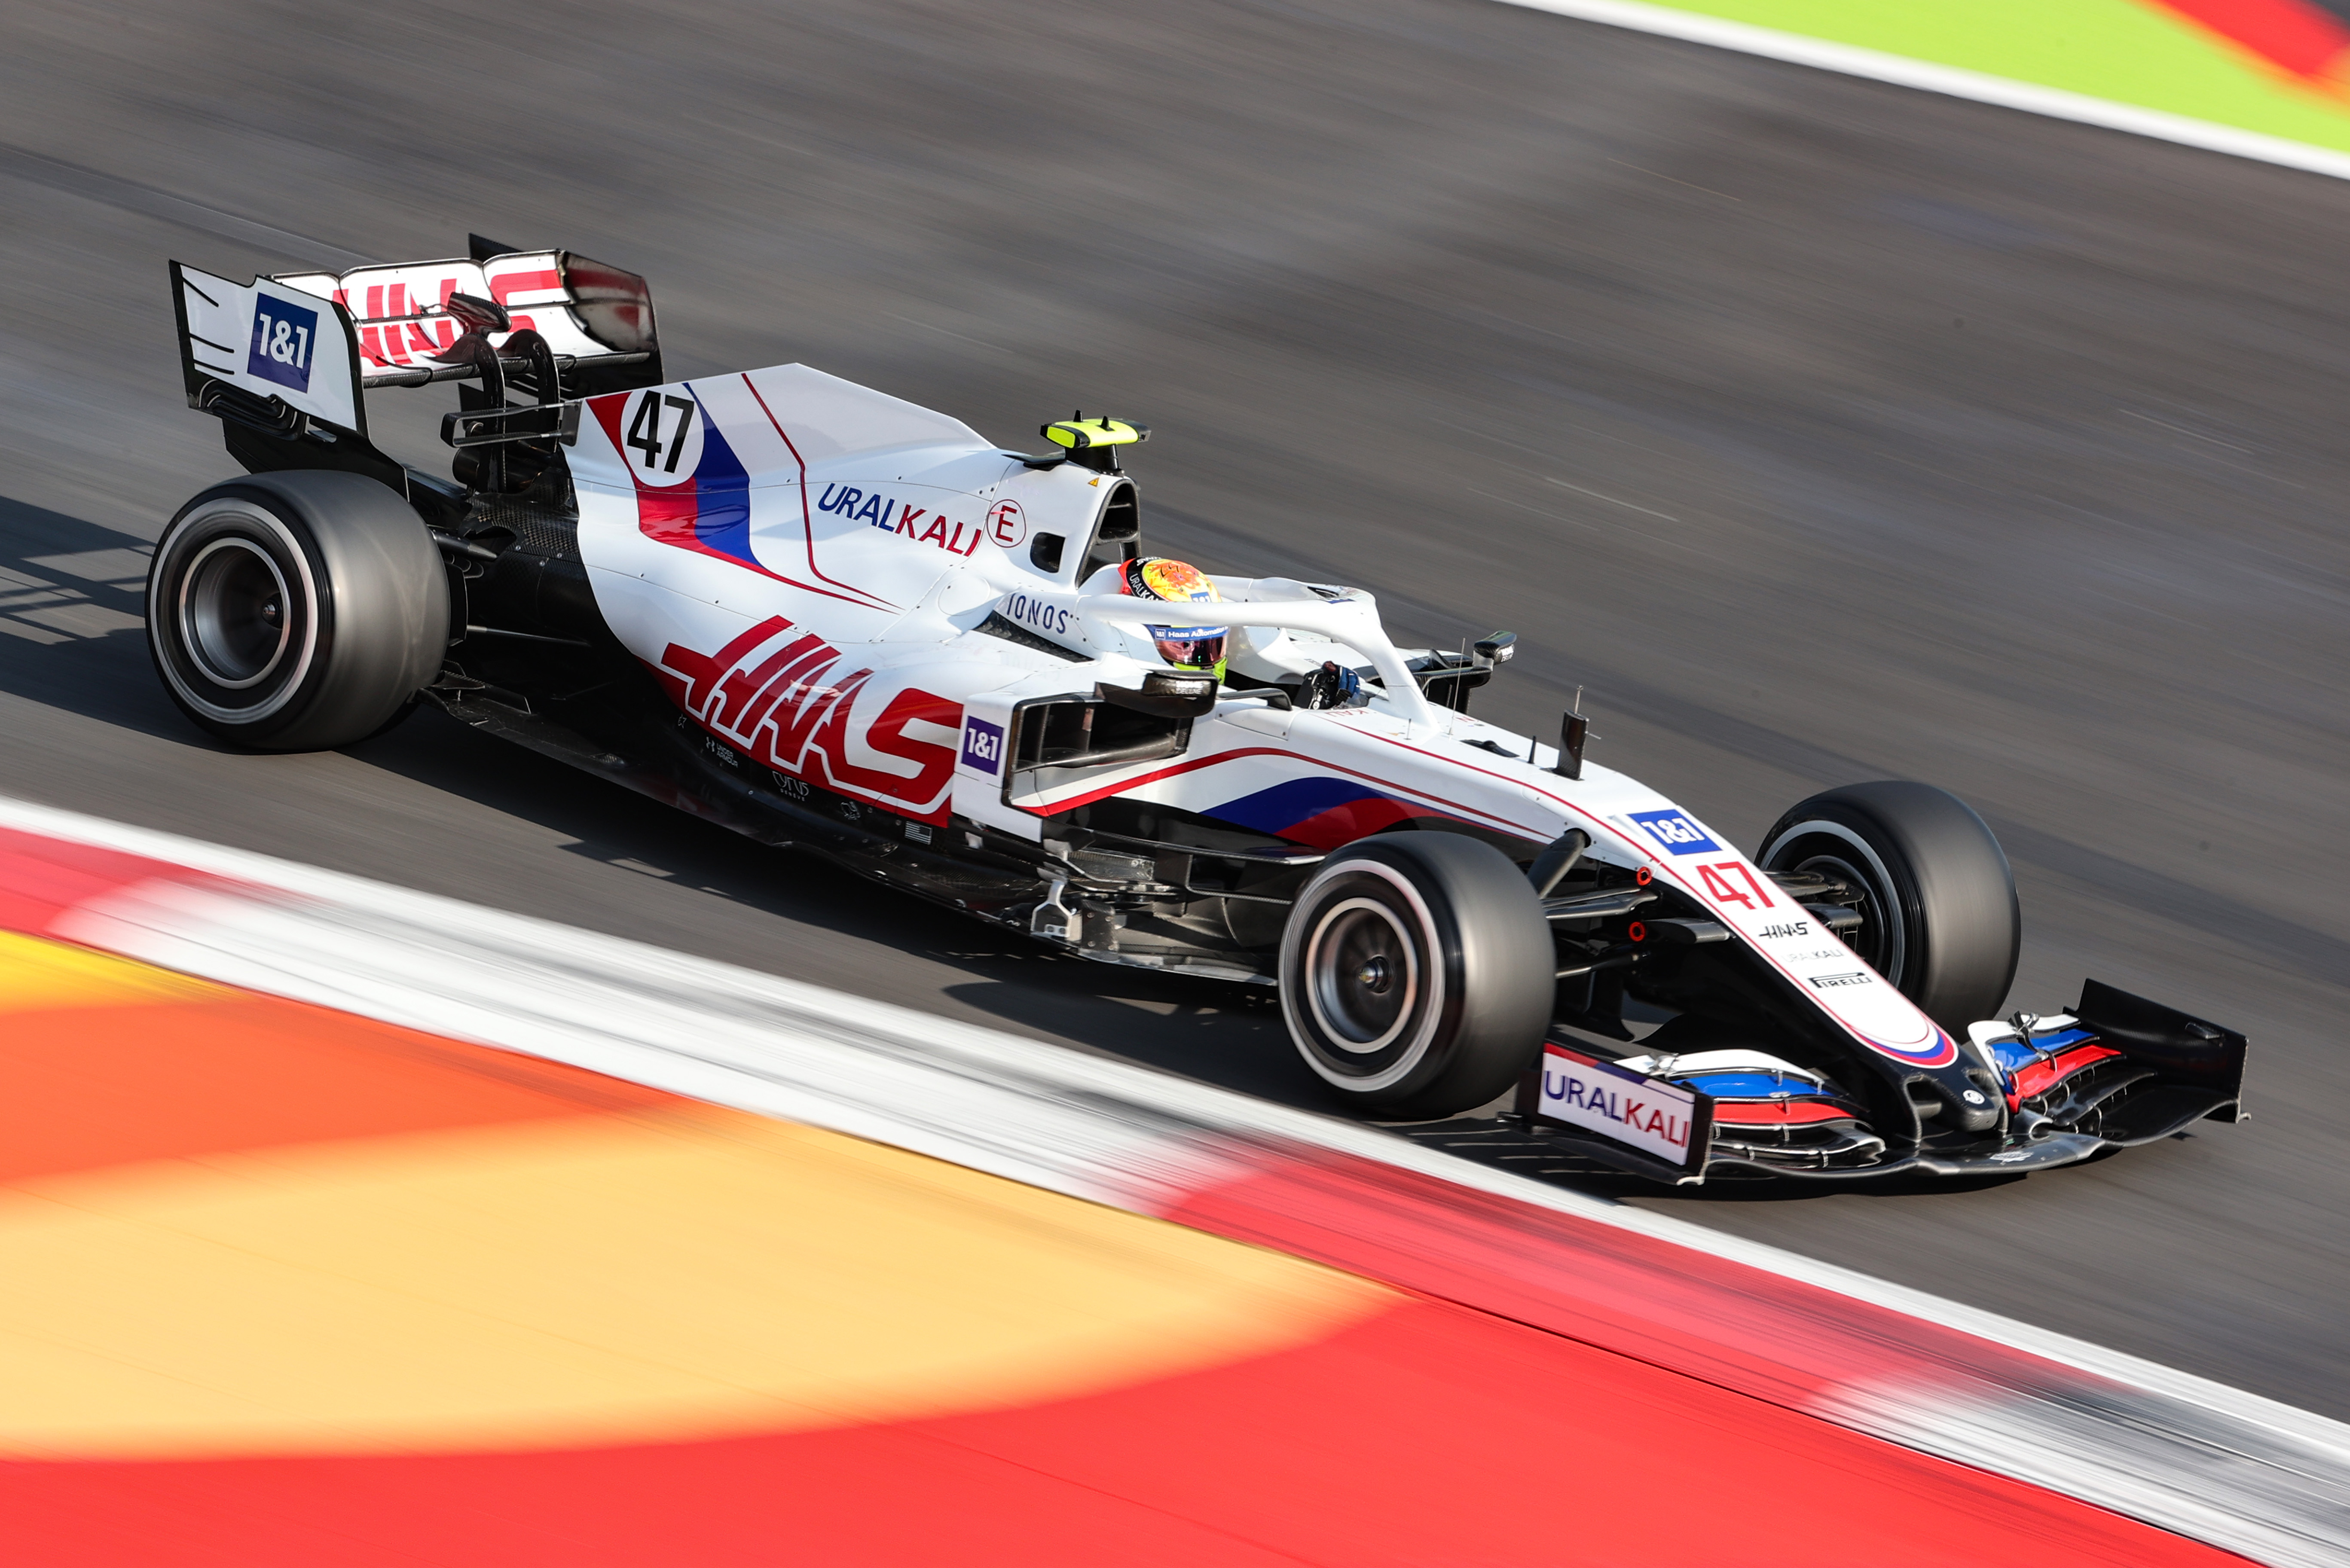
<point x="1574" y="730"/>
<point x="1448" y="684"/>
<point x="1166" y="694"/>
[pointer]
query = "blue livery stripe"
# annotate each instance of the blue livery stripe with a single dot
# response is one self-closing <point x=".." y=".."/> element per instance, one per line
<point x="1285" y="805"/>
<point x="723" y="489"/>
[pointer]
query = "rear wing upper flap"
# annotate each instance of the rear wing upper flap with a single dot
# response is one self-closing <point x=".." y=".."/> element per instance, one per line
<point x="597" y="319"/>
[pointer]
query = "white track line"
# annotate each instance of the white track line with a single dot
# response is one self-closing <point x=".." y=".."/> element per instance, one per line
<point x="1950" y="80"/>
<point x="2194" y="1456"/>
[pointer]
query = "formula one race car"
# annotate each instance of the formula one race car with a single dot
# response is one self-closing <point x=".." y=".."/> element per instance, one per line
<point x="837" y="621"/>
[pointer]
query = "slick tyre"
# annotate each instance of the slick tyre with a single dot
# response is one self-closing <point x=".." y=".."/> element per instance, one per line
<point x="1417" y="974"/>
<point x="296" y="611"/>
<point x="1938" y="912"/>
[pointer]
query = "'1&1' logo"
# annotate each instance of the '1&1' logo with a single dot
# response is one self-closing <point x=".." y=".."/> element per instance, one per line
<point x="283" y="335"/>
<point x="1676" y="832"/>
<point x="982" y="745"/>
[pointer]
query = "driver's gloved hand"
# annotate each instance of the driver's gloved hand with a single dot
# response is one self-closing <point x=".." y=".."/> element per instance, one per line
<point x="1331" y="686"/>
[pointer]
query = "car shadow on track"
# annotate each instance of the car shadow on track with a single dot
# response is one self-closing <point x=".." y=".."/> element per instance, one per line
<point x="73" y="621"/>
<point x="1226" y="1034"/>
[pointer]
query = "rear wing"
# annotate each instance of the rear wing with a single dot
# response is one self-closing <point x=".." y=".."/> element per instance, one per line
<point x="590" y="314"/>
<point x="284" y="360"/>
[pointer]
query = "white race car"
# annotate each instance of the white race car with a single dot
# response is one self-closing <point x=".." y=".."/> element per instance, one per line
<point x="835" y="621"/>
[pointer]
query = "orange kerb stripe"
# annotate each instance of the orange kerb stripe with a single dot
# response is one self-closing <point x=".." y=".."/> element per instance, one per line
<point x="96" y="1086"/>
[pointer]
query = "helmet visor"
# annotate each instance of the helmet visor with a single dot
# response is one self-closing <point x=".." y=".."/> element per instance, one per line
<point x="1191" y="646"/>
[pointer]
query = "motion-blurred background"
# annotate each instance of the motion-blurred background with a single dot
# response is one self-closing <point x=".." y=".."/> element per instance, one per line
<point x="1823" y="429"/>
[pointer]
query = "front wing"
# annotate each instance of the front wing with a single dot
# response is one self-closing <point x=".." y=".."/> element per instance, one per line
<point x="2126" y="1072"/>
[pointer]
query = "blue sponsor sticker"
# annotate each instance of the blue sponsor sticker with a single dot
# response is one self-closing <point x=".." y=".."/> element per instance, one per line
<point x="1035" y="612"/>
<point x="1676" y="832"/>
<point x="983" y="745"/>
<point x="284" y="339"/>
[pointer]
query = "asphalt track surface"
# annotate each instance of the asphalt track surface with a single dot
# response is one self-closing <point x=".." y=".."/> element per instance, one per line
<point x="1823" y="429"/>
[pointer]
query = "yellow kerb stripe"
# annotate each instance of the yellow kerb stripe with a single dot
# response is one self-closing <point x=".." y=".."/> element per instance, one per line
<point x="604" y="1279"/>
<point x="36" y="973"/>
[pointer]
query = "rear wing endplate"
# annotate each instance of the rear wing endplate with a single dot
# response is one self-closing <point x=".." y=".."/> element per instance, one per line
<point x="270" y="352"/>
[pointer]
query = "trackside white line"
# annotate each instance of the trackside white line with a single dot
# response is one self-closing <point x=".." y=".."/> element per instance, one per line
<point x="2215" y="1480"/>
<point x="755" y="1042"/>
<point x="1949" y="80"/>
<point x="2217" y="1463"/>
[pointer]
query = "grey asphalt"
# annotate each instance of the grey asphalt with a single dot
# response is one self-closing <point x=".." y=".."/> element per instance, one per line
<point x="1823" y="429"/>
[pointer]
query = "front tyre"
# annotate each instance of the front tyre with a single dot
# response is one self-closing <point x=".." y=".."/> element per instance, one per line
<point x="1418" y="974"/>
<point x="296" y="611"/>
<point x="1938" y="912"/>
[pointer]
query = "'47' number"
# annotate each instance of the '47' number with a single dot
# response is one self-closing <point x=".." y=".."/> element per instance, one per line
<point x="645" y="429"/>
<point x="1718" y="882"/>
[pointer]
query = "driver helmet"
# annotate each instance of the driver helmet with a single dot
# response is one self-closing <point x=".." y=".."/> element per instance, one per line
<point x="1177" y="582"/>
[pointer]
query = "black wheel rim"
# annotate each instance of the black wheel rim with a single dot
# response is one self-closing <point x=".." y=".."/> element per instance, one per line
<point x="1878" y="940"/>
<point x="1363" y="976"/>
<point x="231" y="618"/>
<point x="235" y="617"/>
<point x="1360" y="981"/>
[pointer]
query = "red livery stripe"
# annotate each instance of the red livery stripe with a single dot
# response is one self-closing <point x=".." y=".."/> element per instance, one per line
<point x="2042" y="1076"/>
<point x="1778" y="1113"/>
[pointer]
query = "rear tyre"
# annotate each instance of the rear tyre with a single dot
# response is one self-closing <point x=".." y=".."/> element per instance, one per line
<point x="1938" y="912"/>
<point x="296" y="611"/>
<point x="1417" y="974"/>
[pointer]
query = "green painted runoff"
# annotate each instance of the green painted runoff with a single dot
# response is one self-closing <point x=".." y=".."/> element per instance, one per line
<point x="2125" y="51"/>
